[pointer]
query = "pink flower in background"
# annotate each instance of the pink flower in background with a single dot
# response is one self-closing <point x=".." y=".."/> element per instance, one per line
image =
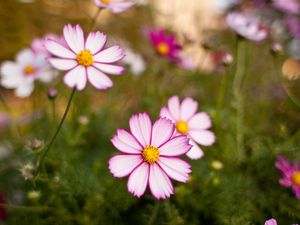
<point x="3" y="214"/>
<point x="38" y="44"/>
<point x="115" y="6"/>
<point x="190" y="123"/>
<point x="186" y="62"/>
<point x="293" y="24"/>
<point x="272" y="222"/>
<point x="291" y="174"/>
<point x="150" y="156"/>
<point x="165" y="44"/>
<point x="85" y="59"/>
<point x="21" y="74"/>
<point x="246" y="26"/>
<point x="288" y="6"/>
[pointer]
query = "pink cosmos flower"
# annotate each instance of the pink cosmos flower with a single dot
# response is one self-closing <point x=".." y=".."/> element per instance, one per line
<point x="246" y="26"/>
<point x="293" y="24"/>
<point x="150" y="156"/>
<point x="21" y="74"/>
<point x="165" y="44"/>
<point x="115" y="6"/>
<point x="288" y="6"/>
<point x="190" y="123"/>
<point x="291" y="174"/>
<point x="272" y="222"/>
<point x="85" y="59"/>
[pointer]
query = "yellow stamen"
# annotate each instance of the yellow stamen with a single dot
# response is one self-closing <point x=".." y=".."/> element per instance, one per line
<point x="296" y="178"/>
<point x="85" y="58"/>
<point x="105" y="1"/>
<point x="163" y="48"/>
<point x="29" y="70"/>
<point x="182" y="127"/>
<point x="150" y="154"/>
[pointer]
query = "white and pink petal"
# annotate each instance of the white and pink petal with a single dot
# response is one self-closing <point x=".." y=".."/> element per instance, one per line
<point x="162" y="131"/>
<point x="202" y="137"/>
<point x="123" y="165"/>
<point x="176" y="146"/>
<point x="141" y="127"/>
<point x="126" y="143"/>
<point x="138" y="180"/>
<point x="98" y="79"/>
<point x="76" y="78"/>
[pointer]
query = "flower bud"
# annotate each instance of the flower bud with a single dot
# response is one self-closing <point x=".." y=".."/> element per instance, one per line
<point x="27" y="171"/>
<point x="52" y="93"/>
<point x="34" y="196"/>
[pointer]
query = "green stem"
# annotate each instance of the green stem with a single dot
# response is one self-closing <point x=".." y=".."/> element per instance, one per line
<point x="42" y="158"/>
<point x="154" y="213"/>
<point x="53" y="109"/>
<point x="238" y="97"/>
<point x="95" y="18"/>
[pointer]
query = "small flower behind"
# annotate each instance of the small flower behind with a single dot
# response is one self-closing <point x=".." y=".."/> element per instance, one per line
<point x="190" y="123"/>
<point x="115" y="6"/>
<point x="246" y="26"/>
<point x="165" y="44"/>
<point x="85" y="59"/>
<point x="291" y="174"/>
<point x="273" y="222"/>
<point x="150" y="156"/>
<point x="21" y="74"/>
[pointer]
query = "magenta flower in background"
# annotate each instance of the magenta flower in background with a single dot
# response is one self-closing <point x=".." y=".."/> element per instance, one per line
<point x="293" y="24"/>
<point x="150" y="156"/>
<point x="291" y="174"/>
<point x="246" y="26"/>
<point x="165" y="44"/>
<point x="21" y="74"/>
<point x="188" y="122"/>
<point x="3" y="214"/>
<point x="85" y="59"/>
<point x="115" y="6"/>
<point x="288" y="6"/>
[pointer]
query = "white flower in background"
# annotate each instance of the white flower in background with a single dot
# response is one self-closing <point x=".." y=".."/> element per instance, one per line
<point x="135" y="61"/>
<point x="246" y="26"/>
<point x="223" y="5"/>
<point x="115" y="6"/>
<point x="21" y="74"/>
<point x="186" y="62"/>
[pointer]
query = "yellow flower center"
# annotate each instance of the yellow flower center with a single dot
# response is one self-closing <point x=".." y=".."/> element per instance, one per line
<point x="85" y="58"/>
<point x="163" y="48"/>
<point x="182" y="127"/>
<point x="296" y="178"/>
<point x="29" y="70"/>
<point x="150" y="154"/>
<point x="105" y="1"/>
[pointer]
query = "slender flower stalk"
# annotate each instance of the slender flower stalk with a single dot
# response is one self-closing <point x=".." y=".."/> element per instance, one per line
<point x="43" y="156"/>
<point x="238" y="96"/>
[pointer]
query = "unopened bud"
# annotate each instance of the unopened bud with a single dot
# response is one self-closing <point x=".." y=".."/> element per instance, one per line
<point x="52" y="93"/>
<point x="276" y="48"/>
<point x="216" y="165"/>
<point x="36" y="144"/>
<point x="83" y="120"/>
<point x="34" y="196"/>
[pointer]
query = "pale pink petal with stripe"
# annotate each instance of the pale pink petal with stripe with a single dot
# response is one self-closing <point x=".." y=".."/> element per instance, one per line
<point x="126" y="143"/>
<point x="62" y="64"/>
<point x="175" y="168"/>
<point x="188" y="108"/>
<point x="109" y="55"/>
<point x="138" y="180"/>
<point x="74" y="37"/>
<point x="195" y="152"/>
<point x="200" y="121"/>
<point x="95" y="42"/>
<point x="174" y="107"/>
<point x="159" y="183"/>
<point x="164" y="113"/>
<point x="271" y="222"/>
<point x="140" y="127"/>
<point x="98" y="79"/>
<point x="176" y="146"/>
<point x="162" y="131"/>
<point x="76" y="78"/>
<point x="123" y="165"/>
<point x="203" y="137"/>
<point x="110" y="69"/>
<point x="58" y="50"/>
